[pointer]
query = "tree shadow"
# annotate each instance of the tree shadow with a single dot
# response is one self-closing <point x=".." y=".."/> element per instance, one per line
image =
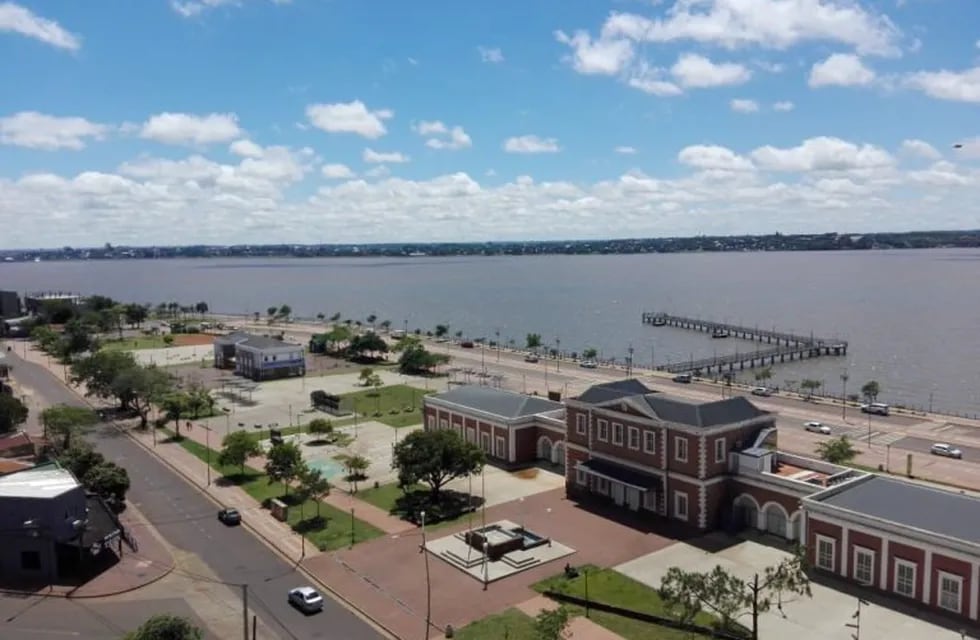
<point x="313" y="523"/>
<point x="447" y="505"/>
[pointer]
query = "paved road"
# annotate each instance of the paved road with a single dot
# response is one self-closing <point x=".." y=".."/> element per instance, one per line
<point x="923" y="444"/>
<point x="60" y="619"/>
<point x="187" y="520"/>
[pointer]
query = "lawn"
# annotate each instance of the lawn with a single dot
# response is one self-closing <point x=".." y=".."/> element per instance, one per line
<point x="398" y="405"/>
<point x="132" y="344"/>
<point x="510" y="625"/>
<point x="610" y="587"/>
<point x="332" y="532"/>
<point x="407" y="505"/>
<point x="384" y="497"/>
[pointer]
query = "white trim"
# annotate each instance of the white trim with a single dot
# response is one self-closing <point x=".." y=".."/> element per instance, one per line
<point x="845" y="568"/>
<point x="617" y="441"/>
<point x="430" y="422"/>
<point x="687" y="505"/>
<point x="581" y="477"/>
<point x="652" y="470"/>
<point x="500" y="446"/>
<point x="702" y="456"/>
<point x="955" y="579"/>
<point x="973" y="590"/>
<point x="702" y="507"/>
<point x="833" y="553"/>
<point x="799" y="492"/>
<point x="630" y="432"/>
<point x="443" y="423"/>
<point x="908" y="564"/>
<point x="724" y="449"/>
<point x="652" y="440"/>
<point x="602" y="430"/>
<point x="883" y="578"/>
<point x="859" y="552"/>
<point x="927" y="578"/>
<point x="677" y="449"/>
<point x="765" y="516"/>
<point x="580" y="424"/>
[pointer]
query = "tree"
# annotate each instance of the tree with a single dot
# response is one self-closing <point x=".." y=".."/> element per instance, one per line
<point x="385" y="325"/>
<point x="365" y="376"/>
<point x="77" y="338"/>
<point x="145" y="385"/>
<point x="80" y="458"/>
<point x="46" y="338"/>
<point x="284" y="462"/>
<point x="590" y="353"/>
<point x="730" y="597"/>
<point x="320" y="427"/>
<point x="870" y="390"/>
<point x="320" y="316"/>
<point x="314" y="485"/>
<point x="335" y="317"/>
<point x="416" y="359"/>
<point x="837" y="451"/>
<point x="285" y="311"/>
<point x="357" y="467"/>
<point x="442" y="330"/>
<point x="166" y="627"/>
<point x="435" y="458"/>
<point x="99" y="371"/>
<point x="533" y="341"/>
<point x="65" y="421"/>
<point x="108" y="480"/>
<point x="552" y="625"/>
<point x="175" y="405"/>
<point x="763" y="375"/>
<point x="236" y="449"/>
<point x="336" y="336"/>
<point x="367" y="343"/>
<point x="371" y="319"/>
<point x="201" y="308"/>
<point x="13" y="413"/>
<point x="810" y="386"/>
<point x="135" y="314"/>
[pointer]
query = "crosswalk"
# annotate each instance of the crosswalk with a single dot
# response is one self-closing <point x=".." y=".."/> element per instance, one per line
<point x="883" y="438"/>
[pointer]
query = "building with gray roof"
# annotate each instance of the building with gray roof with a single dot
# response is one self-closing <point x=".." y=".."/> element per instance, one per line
<point x="259" y="357"/>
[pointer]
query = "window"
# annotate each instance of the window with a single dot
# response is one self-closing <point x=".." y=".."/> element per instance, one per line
<point x="825" y="553"/>
<point x="680" y="448"/>
<point x="649" y="441"/>
<point x="950" y="588"/>
<point x="443" y="424"/>
<point x="905" y="578"/>
<point x="432" y="422"/>
<point x="864" y="565"/>
<point x="634" y="438"/>
<point x="501" y="447"/>
<point x="580" y="476"/>
<point x="721" y="450"/>
<point x="617" y="433"/>
<point x="680" y="505"/>
<point x="580" y="424"/>
<point x="471" y="435"/>
<point x="603" y="485"/>
<point x="603" y="431"/>
<point x="485" y="442"/>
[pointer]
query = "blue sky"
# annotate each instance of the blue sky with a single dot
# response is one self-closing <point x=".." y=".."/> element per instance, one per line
<point x="349" y="121"/>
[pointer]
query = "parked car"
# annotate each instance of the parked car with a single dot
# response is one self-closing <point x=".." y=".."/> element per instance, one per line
<point x="946" y="450"/>
<point x="762" y="391"/>
<point x="817" y="427"/>
<point x="683" y="378"/>
<point x="879" y="408"/>
<point x="466" y="344"/>
<point x="306" y="599"/>
<point x="530" y="358"/>
<point x="589" y="364"/>
<point x="230" y="516"/>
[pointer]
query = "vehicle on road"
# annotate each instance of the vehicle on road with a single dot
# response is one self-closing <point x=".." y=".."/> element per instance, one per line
<point x="817" y="427"/>
<point x="683" y="378"/>
<point x="530" y="358"/>
<point x="945" y="450"/>
<point x="719" y="333"/>
<point x="230" y="516"/>
<point x="879" y="408"/>
<point x="306" y="599"/>
<point x="762" y="391"/>
<point x="589" y="364"/>
<point x="467" y="344"/>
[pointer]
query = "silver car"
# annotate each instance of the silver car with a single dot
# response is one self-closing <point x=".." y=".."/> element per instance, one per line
<point x="946" y="450"/>
<point x="306" y="599"/>
<point x="817" y="427"/>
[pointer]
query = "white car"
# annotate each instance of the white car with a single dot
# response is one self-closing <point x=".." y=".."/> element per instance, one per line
<point x="946" y="450"/>
<point x="306" y="599"/>
<point x="762" y="391"/>
<point x="817" y="427"/>
<point x="588" y="364"/>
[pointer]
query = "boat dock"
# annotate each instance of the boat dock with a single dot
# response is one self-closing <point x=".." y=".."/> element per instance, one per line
<point x="789" y="346"/>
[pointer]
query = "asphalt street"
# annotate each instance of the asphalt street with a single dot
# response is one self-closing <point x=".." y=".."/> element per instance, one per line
<point x="187" y="520"/>
<point x="924" y="445"/>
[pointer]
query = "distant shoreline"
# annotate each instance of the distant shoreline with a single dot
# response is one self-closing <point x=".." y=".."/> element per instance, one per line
<point x="964" y="239"/>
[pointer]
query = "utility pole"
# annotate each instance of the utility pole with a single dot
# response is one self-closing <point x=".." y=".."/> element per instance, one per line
<point x="843" y="398"/>
<point x="558" y="353"/>
<point x="244" y="612"/>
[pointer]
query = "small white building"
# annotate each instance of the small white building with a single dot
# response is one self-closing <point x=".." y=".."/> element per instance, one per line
<point x="262" y="358"/>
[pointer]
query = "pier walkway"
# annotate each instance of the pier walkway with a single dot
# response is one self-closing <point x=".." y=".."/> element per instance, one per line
<point x="789" y="346"/>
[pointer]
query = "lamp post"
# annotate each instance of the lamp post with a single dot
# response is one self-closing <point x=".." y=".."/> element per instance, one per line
<point x="869" y="429"/>
<point x="843" y="397"/>
<point x="486" y="562"/>
<point x="548" y="511"/>
<point x="629" y="362"/>
<point x="207" y="448"/>
<point x="523" y="513"/>
<point x="428" y="583"/>
<point x="558" y="353"/>
<point x="496" y="333"/>
<point x="351" y="527"/>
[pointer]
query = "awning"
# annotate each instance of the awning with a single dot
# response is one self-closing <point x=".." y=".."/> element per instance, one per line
<point x="618" y="473"/>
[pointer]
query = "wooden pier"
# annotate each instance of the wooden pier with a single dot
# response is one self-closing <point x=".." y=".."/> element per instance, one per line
<point x="788" y="347"/>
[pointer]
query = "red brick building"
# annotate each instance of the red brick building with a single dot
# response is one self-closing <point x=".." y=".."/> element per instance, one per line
<point x="512" y="428"/>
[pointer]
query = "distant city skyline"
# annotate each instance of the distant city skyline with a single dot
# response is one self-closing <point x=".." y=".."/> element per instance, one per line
<point x="299" y="121"/>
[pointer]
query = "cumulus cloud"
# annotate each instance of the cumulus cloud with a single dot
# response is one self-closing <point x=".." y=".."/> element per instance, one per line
<point x="822" y="154"/>
<point x="378" y="157"/>
<point x="192" y="8"/>
<point x="743" y="105"/>
<point x="21" y="20"/>
<point x="531" y="144"/>
<point x="337" y="171"/>
<point x="349" y="117"/>
<point x="696" y="71"/>
<point x="443" y="137"/>
<point x="713" y="158"/>
<point x="624" y="150"/>
<point x="921" y="149"/>
<point x="491" y="55"/>
<point x="783" y="105"/>
<point x="245" y="148"/>
<point x="41" y="131"/>
<point x="601" y="56"/>
<point x="956" y="86"/>
<point x="189" y="129"/>
<point x="842" y="70"/>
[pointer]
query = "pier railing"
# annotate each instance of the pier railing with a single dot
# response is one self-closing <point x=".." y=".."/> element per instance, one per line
<point x="738" y="331"/>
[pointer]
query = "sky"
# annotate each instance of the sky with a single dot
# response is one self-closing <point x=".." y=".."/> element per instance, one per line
<point x="348" y="121"/>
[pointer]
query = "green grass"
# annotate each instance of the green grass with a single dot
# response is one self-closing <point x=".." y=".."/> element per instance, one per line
<point x="610" y="587"/>
<point x="332" y="532"/>
<point x="131" y="344"/>
<point x="340" y="438"/>
<point x="384" y="496"/>
<point x="511" y="624"/>
<point x="384" y="400"/>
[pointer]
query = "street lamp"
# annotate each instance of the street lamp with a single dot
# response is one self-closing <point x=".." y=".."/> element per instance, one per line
<point x="496" y="333"/>
<point x="207" y="447"/>
<point x="428" y="582"/>
<point x="548" y="511"/>
<point x="486" y="574"/>
<point x="558" y="352"/>
<point x="351" y="527"/>
<point x="843" y="398"/>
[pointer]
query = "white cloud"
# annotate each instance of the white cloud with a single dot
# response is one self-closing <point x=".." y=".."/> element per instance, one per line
<point x="743" y="105"/>
<point x="601" y="57"/>
<point x="17" y="19"/>
<point x="380" y="171"/>
<point x="822" y="154"/>
<point x="957" y="86"/>
<point x="625" y="150"/>
<point x="443" y="137"/>
<point x="696" y="71"/>
<point x="430" y="127"/>
<point x="245" y="148"/>
<point x="783" y="105"/>
<point x="713" y="158"/>
<point x="41" y="131"/>
<point x="189" y="129"/>
<point x="191" y="8"/>
<point x="842" y="70"/>
<point x="349" y="117"/>
<point x="378" y="157"/>
<point x="531" y="144"/>
<point x="491" y="55"/>
<point x="771" y="24"/>
<point x="920" y="148"/>
<point x="968" y="148"/>
<point x="650" y="80"/>
<point x="337" y="172"/>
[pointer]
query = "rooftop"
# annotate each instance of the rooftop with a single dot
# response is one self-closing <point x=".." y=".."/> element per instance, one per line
<point x="14" y="441"/>
<point x="265" y="342"/>
<point x="607" y="391"/>
<point x="506" y="404"/>
<point x="232" y="338"/>
<point x="703" y="414"/>
<point x="913" y="505"/>
<point x="44" y="481"/>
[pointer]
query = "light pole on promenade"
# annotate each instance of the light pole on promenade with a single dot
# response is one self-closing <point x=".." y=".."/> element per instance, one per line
<point x="843" y="398"/>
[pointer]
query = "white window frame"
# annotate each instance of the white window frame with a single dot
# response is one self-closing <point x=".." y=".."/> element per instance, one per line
<point x="602" y="485"/>
<point x="650" y="438"/>
<point x="580" y="428"/>
<point x="617" y="441"/>
<point x="443" y="424"/>
<point x="602" y="428"/>
<point x="500" y="447"/>
<point x="958" y="581"/>
<point x="721" y="450"/>
<point x="859" y="554"/>
<point x="833" y="553"/>
<point x="486" y="442"/>
<point x="677" y="448"/>
<point x="471" y="435"/>
<point x="905" y="564"/>
<point x="581" y="477"/>
<point x="680" y="498"/>
<point x="633" y="438"/>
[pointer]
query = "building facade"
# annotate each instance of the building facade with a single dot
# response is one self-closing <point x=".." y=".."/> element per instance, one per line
<point x="262" y="358"/>
<point x="9" y="304"/>
<point x="224" y="349"/>
<point x="513" y="429"/>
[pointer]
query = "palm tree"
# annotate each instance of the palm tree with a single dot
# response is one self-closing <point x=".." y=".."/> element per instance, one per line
<point x="386" y="325"/>
<point x="320" y="316"/>
<point x="371" y="319"/>
<point x="335" y="317"/>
